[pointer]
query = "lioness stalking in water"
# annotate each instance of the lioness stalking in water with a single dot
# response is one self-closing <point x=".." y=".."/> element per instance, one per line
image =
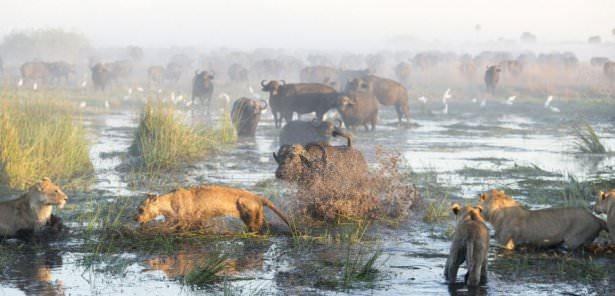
<point x="515" y="225"/>
<point x="470" y="244"/>
<point x="32" y="210"/>
<point x="185" y="206"/>
<point x="606" y="205"/>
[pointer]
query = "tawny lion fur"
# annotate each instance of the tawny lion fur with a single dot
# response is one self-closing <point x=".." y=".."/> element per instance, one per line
<point x="470" y="244"/>
<point x="186" y="206"/>
<point x="606" y="205"/>
<point x="32" y="210"/>
<point x="515" y="225"/>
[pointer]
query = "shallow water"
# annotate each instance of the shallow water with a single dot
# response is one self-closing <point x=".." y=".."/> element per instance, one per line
<point x="468" y="151"/>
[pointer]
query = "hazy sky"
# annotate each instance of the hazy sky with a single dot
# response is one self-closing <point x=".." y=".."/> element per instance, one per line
<point x="309" y="24"/>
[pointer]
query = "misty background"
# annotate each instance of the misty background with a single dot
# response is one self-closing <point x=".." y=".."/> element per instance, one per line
<point x="316" y="24"/>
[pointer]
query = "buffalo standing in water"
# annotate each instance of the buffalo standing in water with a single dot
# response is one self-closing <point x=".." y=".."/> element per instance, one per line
<point x="203" y="87"/>
<point x="492" y="77"/>
<point x="245" y="114"/>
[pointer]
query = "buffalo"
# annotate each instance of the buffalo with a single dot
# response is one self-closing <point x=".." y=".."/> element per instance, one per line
<point x="362" y="111"/>
<point x="598" y="61"/>
<point x="203" y="87"/>
<point x="320" y="103"/>
<point x="59" y="71"/>
<point x="173" y="71"/>
<point x="609" y="69"/>
<point x="512" y="66"/>
<point x="306" y="164"/>
<point x="279" y="91"/>
<point x="302" y="132"/>
<point x="101" y="76"/>
<point x="155" y="75"/>
<point x="403" y="71"/>
<point x="238" y="73"/>
<point x="346" y="76"/>
<point x="387" y="91"/>
<point x="245" y="114"/>
<point x="35" y="72"/>
<point x="492" y="77"/>
<point x="319" y="74"/>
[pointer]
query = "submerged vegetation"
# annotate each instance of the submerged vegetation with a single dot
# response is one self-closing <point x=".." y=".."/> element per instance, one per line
<point x="40" y="137"/>
<point x="164" y="141"/>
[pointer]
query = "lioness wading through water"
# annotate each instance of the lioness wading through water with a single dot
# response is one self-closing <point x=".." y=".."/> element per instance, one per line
<point x="186" y="206"/>
<point x="553" y="227"/>
<point x="470" y="244"/>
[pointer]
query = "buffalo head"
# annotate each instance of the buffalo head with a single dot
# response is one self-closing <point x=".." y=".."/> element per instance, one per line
<point x="297" y="162"/>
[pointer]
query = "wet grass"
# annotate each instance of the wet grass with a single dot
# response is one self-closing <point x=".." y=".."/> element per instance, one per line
<point x="206" y="273"/>
<point x="41" y="138"/>
<point x="587" y="140"/>
<point x="163" y="141"/>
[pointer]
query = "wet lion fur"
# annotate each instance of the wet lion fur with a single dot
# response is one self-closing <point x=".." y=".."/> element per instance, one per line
<point x="470" y="244"/>
<point x="32" y="210"/>
<point x="197" y="204"/>
<point x="606" y="205"/>
<point x="552" y="227"/>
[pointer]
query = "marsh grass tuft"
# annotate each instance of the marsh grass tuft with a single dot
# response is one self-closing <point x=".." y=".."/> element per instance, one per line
<point x="207" y="272"/>
<point x="38" y="138"/>
<point x="587" y="141"/>
<point x="163" y="141"/>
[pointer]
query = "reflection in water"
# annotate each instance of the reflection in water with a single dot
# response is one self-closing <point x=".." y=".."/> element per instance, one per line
<point x="30" y="270"/>
<point x="462" y="290"/>
<point x="184" y="261"/>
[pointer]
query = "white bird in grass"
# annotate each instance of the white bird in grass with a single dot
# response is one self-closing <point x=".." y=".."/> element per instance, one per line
<point x="446" y="96"/>
<point x="173" y="97"/>
<point x="445" y="111"/>
<point x="483" y="103"/>
<point x="107" y="105"/>
<point x="83" y="104"/>
<point x="548" y="101"/>
<point x="130" y="91"/>
<point x="474" y="100"/>
<point x="226" y="97"/>
<point x="423" y="100"/>
<point x="554" y="109"/>
<point x="159" y="90"/>
<point x="35" y="86"/>
<point x="20" y="82"/>
<point x="189" y="103"/>
<point x="510" y="100"/>
<point x="84" y="84"/>
<point x="139" y="89"/>
<point x="255" y="95"/>
<point x="180" y="98"/>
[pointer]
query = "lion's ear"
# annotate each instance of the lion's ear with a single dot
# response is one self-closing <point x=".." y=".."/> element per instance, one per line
<point x="150" y="195"/>
<point x="602" y="195"/>
<point x="479" y="208"/>
<point x="483" y="197"/>
<point x="46" y="179"/>
<point x="455" y="208"/>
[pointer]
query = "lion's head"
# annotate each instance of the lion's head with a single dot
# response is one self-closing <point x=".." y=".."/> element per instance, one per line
<point x="467" y="212"/>
<point x="494" y="200"/>
<point x="602" y="204"/>
<point x="47" y="193"/>
<point x="148" y="209"/>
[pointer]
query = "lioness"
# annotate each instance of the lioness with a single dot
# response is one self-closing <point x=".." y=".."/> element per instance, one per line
<point x="205" y="202"/>
<point x="470" y="244"/>
<point x="32" y="210"/>
<point x="606" y="205"/>
<point x="514" y="225"/>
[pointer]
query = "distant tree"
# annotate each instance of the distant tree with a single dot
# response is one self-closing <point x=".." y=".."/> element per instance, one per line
<point x="44" y="44"/>
<point x="594" y="39"/>
<point x="135" y="53"/>
<point x="528" y="37"/>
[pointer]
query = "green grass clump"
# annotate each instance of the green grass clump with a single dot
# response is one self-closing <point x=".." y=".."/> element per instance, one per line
<point x="587" y="141"/>
<point x="163" y="141"/>
<point x="40" y="138"/>
<point x="206" y="273"/>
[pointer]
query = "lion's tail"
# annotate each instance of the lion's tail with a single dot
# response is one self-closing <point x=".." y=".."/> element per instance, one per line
<point x="282" y="216"/>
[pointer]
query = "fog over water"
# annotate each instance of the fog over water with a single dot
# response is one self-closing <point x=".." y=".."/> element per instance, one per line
<point x="315" y="24"/>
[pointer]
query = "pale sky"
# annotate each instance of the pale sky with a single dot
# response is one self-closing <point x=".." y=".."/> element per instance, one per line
<point x="310" y="24"/>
